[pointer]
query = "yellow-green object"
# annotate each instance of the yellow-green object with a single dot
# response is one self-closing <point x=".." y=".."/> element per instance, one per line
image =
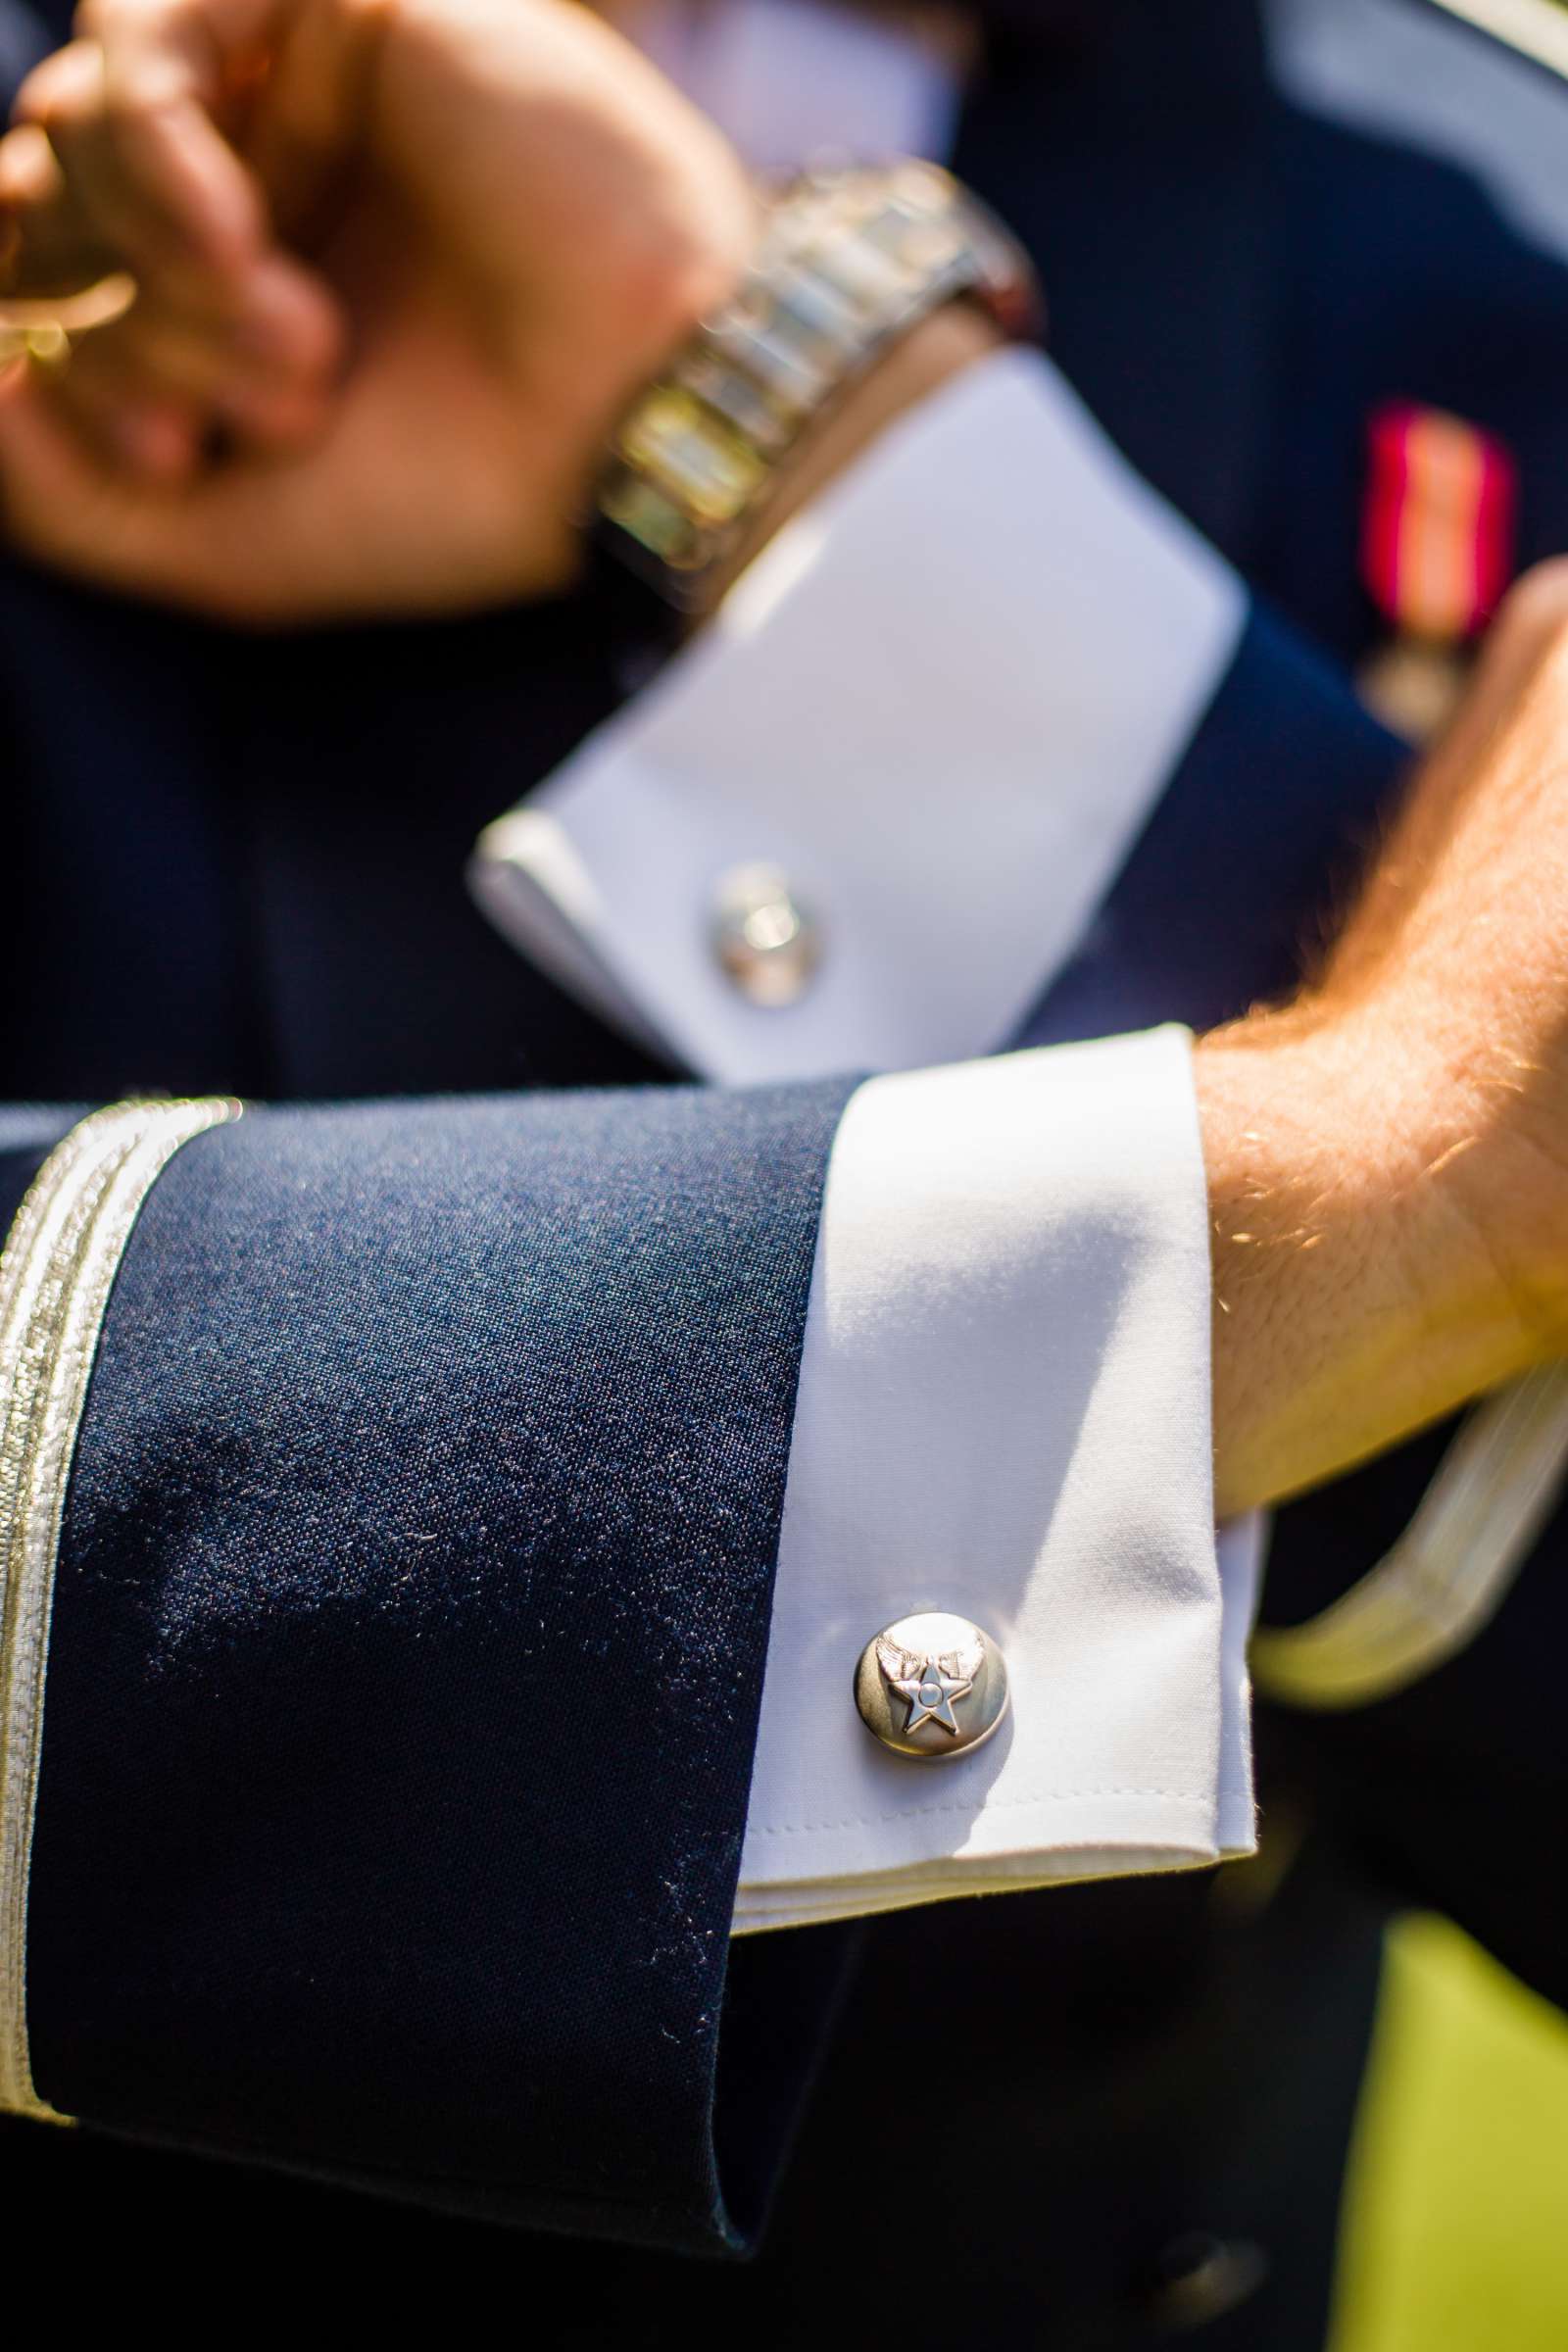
<point x="1455" y="2232"/>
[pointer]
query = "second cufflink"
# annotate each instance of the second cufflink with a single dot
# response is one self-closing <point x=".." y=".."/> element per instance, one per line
<point x="768" y="944"/>
<point x="931" y="1685"/>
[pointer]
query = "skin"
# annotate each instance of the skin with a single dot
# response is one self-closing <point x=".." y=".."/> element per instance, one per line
<point x="1387" y="1155"/>
<point x="400" y="266"/>
<point x="443" y="246"/>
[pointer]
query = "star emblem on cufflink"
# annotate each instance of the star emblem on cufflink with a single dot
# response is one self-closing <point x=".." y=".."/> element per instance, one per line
<point x="931" y="1685"/>
<point x="930" y="1692"/>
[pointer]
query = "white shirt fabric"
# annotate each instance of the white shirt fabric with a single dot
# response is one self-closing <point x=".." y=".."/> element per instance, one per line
<point x="797" y="82"/>
<point x="1003" y="1412"/>
<point x="944" y="702"/>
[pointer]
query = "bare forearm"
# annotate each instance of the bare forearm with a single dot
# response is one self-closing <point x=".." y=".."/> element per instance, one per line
<point x="1355" y="1297"/>
<point x="1388" y="1158"/>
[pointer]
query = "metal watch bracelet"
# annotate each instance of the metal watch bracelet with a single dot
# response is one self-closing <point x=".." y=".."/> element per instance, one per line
<point x="848" y="262"/>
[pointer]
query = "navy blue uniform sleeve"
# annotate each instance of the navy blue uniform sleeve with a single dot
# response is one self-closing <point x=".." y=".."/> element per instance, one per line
<point x="408" y="1639"/>
<point x="1249" y="855"/>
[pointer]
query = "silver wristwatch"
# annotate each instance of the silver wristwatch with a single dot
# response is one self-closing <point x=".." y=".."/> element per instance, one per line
<point x="848" y="263"/>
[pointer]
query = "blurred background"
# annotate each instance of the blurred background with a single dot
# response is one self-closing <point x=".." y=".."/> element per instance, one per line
<point x="1456" y="2230"/>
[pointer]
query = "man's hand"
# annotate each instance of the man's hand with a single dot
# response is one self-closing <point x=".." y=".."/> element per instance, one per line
<point x="400" y="266"/>
<point x="1388" y="1156"/>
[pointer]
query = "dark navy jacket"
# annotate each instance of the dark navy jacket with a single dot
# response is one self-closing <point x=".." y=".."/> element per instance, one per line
<point x="414" y="1582"/>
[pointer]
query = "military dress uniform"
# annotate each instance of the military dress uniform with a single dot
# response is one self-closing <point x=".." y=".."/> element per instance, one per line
<point x="393" y="1781"/>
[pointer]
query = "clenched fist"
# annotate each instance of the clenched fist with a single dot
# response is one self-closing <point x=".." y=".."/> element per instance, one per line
<point x="399" y="264"/>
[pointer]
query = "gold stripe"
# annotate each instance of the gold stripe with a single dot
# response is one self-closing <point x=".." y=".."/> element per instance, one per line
<point x="55" y="1278"/>
<point x="42" y="1249"/>
<point x="1450" y="1571"/>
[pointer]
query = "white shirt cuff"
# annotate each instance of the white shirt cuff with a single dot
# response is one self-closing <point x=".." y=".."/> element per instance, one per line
<point x="943" y="701"/>
<point x="1003" y="1411"/>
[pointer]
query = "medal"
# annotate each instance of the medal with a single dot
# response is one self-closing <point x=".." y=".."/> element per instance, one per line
<point x="1437" y="530"/>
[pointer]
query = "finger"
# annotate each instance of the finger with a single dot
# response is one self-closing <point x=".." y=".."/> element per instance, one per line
<point x="142" y="174"/>
<point x="281" y="328"/>
<point x="242" y="374"/>
<point x="73" y="227"/>
<point x="48" y="246"/>
<point x="172" y="70"/>
<point x="144" y="167"/>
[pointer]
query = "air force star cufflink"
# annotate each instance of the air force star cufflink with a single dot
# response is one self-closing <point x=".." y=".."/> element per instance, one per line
<point x="931" y="1685"/>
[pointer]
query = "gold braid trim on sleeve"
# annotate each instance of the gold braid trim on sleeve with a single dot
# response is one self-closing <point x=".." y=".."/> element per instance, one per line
<point x="56" y="1274"/>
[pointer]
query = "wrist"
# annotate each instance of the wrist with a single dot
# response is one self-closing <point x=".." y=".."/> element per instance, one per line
<point x="1356" y="1296"/>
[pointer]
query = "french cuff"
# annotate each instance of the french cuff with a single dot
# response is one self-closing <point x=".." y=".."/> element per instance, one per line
<point x="863" y="821"/>
<point x="56" y="1274"/>
<point x="1003" y="1413"/>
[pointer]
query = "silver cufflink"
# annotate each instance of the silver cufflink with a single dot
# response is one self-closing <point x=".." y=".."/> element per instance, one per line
<point x="766" y="942"/>
<point x="931" y="1685"/>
